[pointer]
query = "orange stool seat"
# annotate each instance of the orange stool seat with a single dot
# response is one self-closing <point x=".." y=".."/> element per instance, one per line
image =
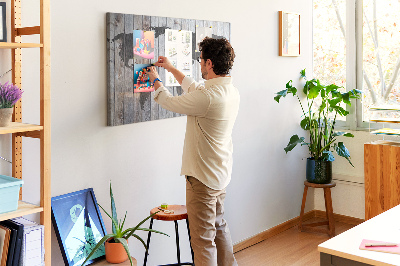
<point x="180" y="213"/>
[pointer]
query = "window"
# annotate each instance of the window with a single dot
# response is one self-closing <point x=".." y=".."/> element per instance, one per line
<point x="364" y="54"/>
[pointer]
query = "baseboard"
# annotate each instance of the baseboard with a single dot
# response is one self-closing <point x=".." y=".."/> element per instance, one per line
<point x="340" y="218"/>
<point x="271" y="232"/>
<point x="289" y="224"/>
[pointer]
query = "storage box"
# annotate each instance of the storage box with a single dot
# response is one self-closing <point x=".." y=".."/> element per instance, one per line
<point x="9" y="193"/>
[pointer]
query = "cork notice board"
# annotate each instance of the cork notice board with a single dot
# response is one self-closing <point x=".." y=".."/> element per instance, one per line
<point x="124" y="105"/>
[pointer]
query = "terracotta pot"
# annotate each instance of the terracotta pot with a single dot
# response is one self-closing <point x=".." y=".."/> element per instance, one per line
<point x="115" y="252"/>
<point x="5" y="116"/>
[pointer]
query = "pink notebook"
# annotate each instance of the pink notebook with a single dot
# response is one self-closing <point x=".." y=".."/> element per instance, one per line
<point x="393" y="249"/>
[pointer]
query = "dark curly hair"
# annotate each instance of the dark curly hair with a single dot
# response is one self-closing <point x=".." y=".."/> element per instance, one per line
<point x="220" y="52"/>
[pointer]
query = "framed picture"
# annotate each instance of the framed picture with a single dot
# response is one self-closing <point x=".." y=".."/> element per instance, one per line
<point x="289" y="34"/>
<point x="3" y="26"/>
<point x="78" y="226"/>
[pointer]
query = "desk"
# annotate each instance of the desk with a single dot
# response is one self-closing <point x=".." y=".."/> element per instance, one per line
<point x="344" y="248"/>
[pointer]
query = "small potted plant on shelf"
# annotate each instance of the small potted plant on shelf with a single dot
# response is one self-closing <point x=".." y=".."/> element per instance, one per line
<point x="324" y="105"/>
<point x="116" y="243"/>
<point x="9" y="95"/>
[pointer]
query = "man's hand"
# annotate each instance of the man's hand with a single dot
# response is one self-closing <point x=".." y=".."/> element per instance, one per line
<point x="152" y="72"/>
<point x="165" y="63"/>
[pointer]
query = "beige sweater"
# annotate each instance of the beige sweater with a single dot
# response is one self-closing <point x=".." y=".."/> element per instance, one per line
<point x="211" y="111"/>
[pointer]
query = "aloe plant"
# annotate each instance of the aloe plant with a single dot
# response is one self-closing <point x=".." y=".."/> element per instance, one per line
<point x="320" y="124"/>
<point x="119" y="234"/>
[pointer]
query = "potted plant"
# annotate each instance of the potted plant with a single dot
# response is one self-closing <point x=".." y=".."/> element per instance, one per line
<point x="9" y="95"/>
<point x="324" y="105"/>
<point x="116" y="243"/>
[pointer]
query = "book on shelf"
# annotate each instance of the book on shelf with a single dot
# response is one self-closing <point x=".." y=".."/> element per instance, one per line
<point x="32" y="250"/>
<point x="11" y="245"/>
<point x="13" y="260"/>
<point x="4" y="243"/>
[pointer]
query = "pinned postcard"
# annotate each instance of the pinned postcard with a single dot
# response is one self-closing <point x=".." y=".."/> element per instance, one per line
<point x="143" y="44"/>
<point x="178" y="49"/>
<point x="141" y="81"/>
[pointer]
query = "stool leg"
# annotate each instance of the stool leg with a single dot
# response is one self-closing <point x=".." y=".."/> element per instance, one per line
<point x="178" y="252"/>
<point x="303" y="204"/>
<point x="329" y="211"/>
<point x="148" y="242"/>
<point x="190" y="240"/>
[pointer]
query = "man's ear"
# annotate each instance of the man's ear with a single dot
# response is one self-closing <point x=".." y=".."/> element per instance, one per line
<point x="209" y="63"/>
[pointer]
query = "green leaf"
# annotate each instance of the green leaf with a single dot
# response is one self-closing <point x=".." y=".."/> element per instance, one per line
<point x="137" y="226"/>
<point x="102" y="240"/>
<point x="280" y="94"/>
<point x="327" y="156"/>
<point x="115" y="223"/>
<point x="113" y="211"/>
<point x="140" y="239"/>
<point x="305" y="123"/>
<point x="331" y="87"/>
<point x="346" y="98"/>
<point x="343" y="151"/>
<point x="294" y="140"/>
<point x="338" y="133"/>
<point x="349" y="135"/>
<point x="126" y="247"/>
<point x="303" y="73"/>
<point x="122" y="225"/>
<point x="152" y="230"/>
<point x="333" y="102"/>
<point x="313" y="92"/>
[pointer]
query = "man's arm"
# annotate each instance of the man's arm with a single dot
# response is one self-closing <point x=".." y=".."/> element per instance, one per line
<point x="165" y="63"/>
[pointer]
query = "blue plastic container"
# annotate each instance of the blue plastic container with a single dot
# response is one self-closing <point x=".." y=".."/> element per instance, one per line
<point x="9" y="193"/>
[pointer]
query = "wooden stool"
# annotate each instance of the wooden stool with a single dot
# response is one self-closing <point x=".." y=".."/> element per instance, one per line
<point x="328" y="207"/>
<point x="180" y="213"/>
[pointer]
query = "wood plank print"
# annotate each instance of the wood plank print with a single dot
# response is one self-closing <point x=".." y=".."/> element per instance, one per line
<point x="123" y="105"/>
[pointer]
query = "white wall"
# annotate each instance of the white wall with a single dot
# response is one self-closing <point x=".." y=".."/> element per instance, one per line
<point x="143" y="160"/>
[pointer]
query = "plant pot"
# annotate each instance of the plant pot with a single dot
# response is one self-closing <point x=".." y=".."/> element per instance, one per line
<point x="6" y="116"/>
<point x="115" y="252"/>
<point x="319" y="172"/>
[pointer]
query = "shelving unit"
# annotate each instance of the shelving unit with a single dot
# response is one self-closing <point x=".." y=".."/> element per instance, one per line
<point x="19" y="129"/>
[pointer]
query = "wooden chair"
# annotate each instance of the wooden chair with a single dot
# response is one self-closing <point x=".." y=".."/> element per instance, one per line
<point x="180" y="213"/>
<point x="311" y="227"/>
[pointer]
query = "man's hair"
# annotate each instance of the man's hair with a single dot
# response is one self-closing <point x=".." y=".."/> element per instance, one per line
<point x="220" y="52"/>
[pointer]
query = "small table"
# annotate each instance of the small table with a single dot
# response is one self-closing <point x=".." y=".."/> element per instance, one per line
<point x="105" y="263"/>
<point x="344" y="248"/>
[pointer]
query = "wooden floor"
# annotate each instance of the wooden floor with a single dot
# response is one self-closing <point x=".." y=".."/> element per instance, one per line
<point x="290" y="247"/>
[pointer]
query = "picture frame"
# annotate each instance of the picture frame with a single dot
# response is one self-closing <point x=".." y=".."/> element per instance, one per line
<point x="78" y="226"/>
<point x="289" y="34"/>
<point x="3" y="22"/>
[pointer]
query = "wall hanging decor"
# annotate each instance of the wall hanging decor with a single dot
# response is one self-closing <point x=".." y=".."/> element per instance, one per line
<point x="134" y="41"/>
<point x="78" y="226"/>
<point x="289" y="34"/>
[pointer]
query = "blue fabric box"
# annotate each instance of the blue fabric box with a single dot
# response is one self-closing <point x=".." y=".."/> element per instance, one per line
<point x="9" y="193"/>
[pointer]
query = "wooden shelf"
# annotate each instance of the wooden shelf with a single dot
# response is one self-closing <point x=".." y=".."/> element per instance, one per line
<point x="10" y="45"/>
<point x="16" y="127"/>
<point x="24" y="208"/>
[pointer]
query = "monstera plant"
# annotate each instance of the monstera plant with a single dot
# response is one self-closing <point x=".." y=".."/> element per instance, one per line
<point x="323" y="105"/>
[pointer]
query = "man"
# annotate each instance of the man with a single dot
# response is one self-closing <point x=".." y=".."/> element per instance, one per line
<point x="211" y="111"/>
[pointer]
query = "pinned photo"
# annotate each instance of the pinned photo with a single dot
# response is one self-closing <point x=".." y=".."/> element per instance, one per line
<point x="143" y="44"/>
<point x="141" y="81"/>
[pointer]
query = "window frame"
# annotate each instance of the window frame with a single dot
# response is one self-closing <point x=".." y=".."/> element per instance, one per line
<point x="354" y="70"/>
